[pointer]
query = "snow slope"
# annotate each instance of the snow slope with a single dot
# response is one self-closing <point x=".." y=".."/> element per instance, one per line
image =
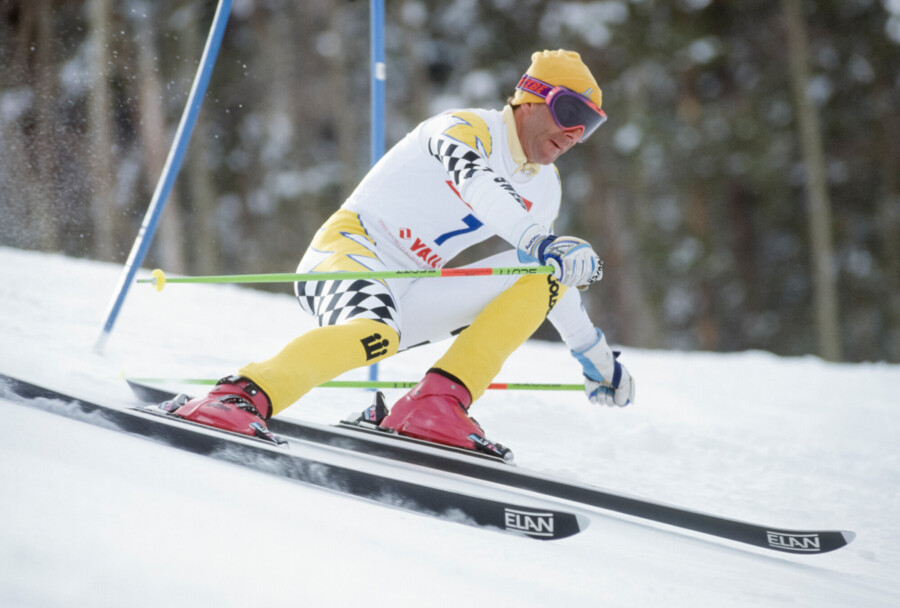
<point x="89" y="517"/>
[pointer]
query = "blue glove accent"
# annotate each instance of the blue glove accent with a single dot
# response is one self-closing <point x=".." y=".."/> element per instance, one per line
<point x="542" y="247"/>
<point x="590" y="370"/>
<point x="617" y="390"/>
<point x="525" y="258"/>
<point x="536" y="253"/>
<point x="617" y="374"/>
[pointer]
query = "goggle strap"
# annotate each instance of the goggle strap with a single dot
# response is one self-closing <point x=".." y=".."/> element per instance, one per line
<point x="533" y="85"/>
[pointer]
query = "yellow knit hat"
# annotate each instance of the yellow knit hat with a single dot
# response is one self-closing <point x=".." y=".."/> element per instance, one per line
<point x="561" y="69"/>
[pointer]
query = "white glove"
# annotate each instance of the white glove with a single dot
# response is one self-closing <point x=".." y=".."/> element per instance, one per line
<point x="606" y="381"/>
<point x="575" y="264"/>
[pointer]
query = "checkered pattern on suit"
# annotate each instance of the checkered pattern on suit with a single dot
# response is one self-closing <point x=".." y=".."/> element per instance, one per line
<point x="334" y="302"/>
<point x="461" y="162"/>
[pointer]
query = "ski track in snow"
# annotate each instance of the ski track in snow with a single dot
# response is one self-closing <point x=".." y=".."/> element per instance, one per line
<point x="89" y="517"/>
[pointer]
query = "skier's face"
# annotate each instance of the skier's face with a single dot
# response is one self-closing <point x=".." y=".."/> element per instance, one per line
<point x="542" y="139"/>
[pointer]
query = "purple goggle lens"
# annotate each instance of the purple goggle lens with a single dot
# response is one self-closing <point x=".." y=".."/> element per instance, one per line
<point x="569" y="109"/>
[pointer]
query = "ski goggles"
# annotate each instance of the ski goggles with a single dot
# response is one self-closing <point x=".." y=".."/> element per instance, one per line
<point x="568" y="109"/>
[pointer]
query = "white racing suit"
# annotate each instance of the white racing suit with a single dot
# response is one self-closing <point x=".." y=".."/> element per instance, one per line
<point x="456" y="180"/>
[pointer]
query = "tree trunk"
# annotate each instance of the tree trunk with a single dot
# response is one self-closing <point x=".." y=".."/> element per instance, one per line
<point x="818" y="203"/>
<point x="100" y="121"/>
<point x="204" y="240"/>
<point x="888" y="210"/>
<point x="635" y="323"/>
<point x="344" y="109"/>
<point x="626" y="220"/>
<point x="18" y="181"/>
<point x="155" y="137"/>
<point x="44" y="204"/>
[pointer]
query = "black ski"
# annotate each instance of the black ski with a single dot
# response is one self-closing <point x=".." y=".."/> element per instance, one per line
<point x="533" y="521"/>
<point x="432" y="456"/>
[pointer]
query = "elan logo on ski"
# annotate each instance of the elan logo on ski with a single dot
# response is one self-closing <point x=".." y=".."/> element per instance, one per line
<point x="531" y="523"/>
<point x="803" y="543"/>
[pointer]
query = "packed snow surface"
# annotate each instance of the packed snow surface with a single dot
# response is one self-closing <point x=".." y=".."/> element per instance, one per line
<point x="91" y="517"/>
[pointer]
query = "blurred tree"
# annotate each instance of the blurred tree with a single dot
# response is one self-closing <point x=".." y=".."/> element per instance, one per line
<point x="156" y="139"/>
<point x="203" y="237"/>
<point x="33" y="74"/>
<point x="100" y="163"/>
<point x="692" y="192"/>
<point x="818" y="202"/>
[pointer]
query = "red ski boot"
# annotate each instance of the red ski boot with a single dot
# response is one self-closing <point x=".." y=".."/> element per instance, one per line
<point x="436" y="410"/>
<point x="236" y="404"/>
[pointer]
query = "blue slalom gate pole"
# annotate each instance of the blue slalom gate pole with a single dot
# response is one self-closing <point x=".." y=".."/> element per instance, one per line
<point x="376" y="19"/>
<point x="378" y="79"/>
<point x="170" y="171"/>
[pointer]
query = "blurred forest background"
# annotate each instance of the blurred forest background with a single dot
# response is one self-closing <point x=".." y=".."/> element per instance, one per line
<point x="744" y="194"/>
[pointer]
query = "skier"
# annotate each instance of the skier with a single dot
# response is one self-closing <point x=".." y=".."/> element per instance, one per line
<point x="457" y="179"/>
